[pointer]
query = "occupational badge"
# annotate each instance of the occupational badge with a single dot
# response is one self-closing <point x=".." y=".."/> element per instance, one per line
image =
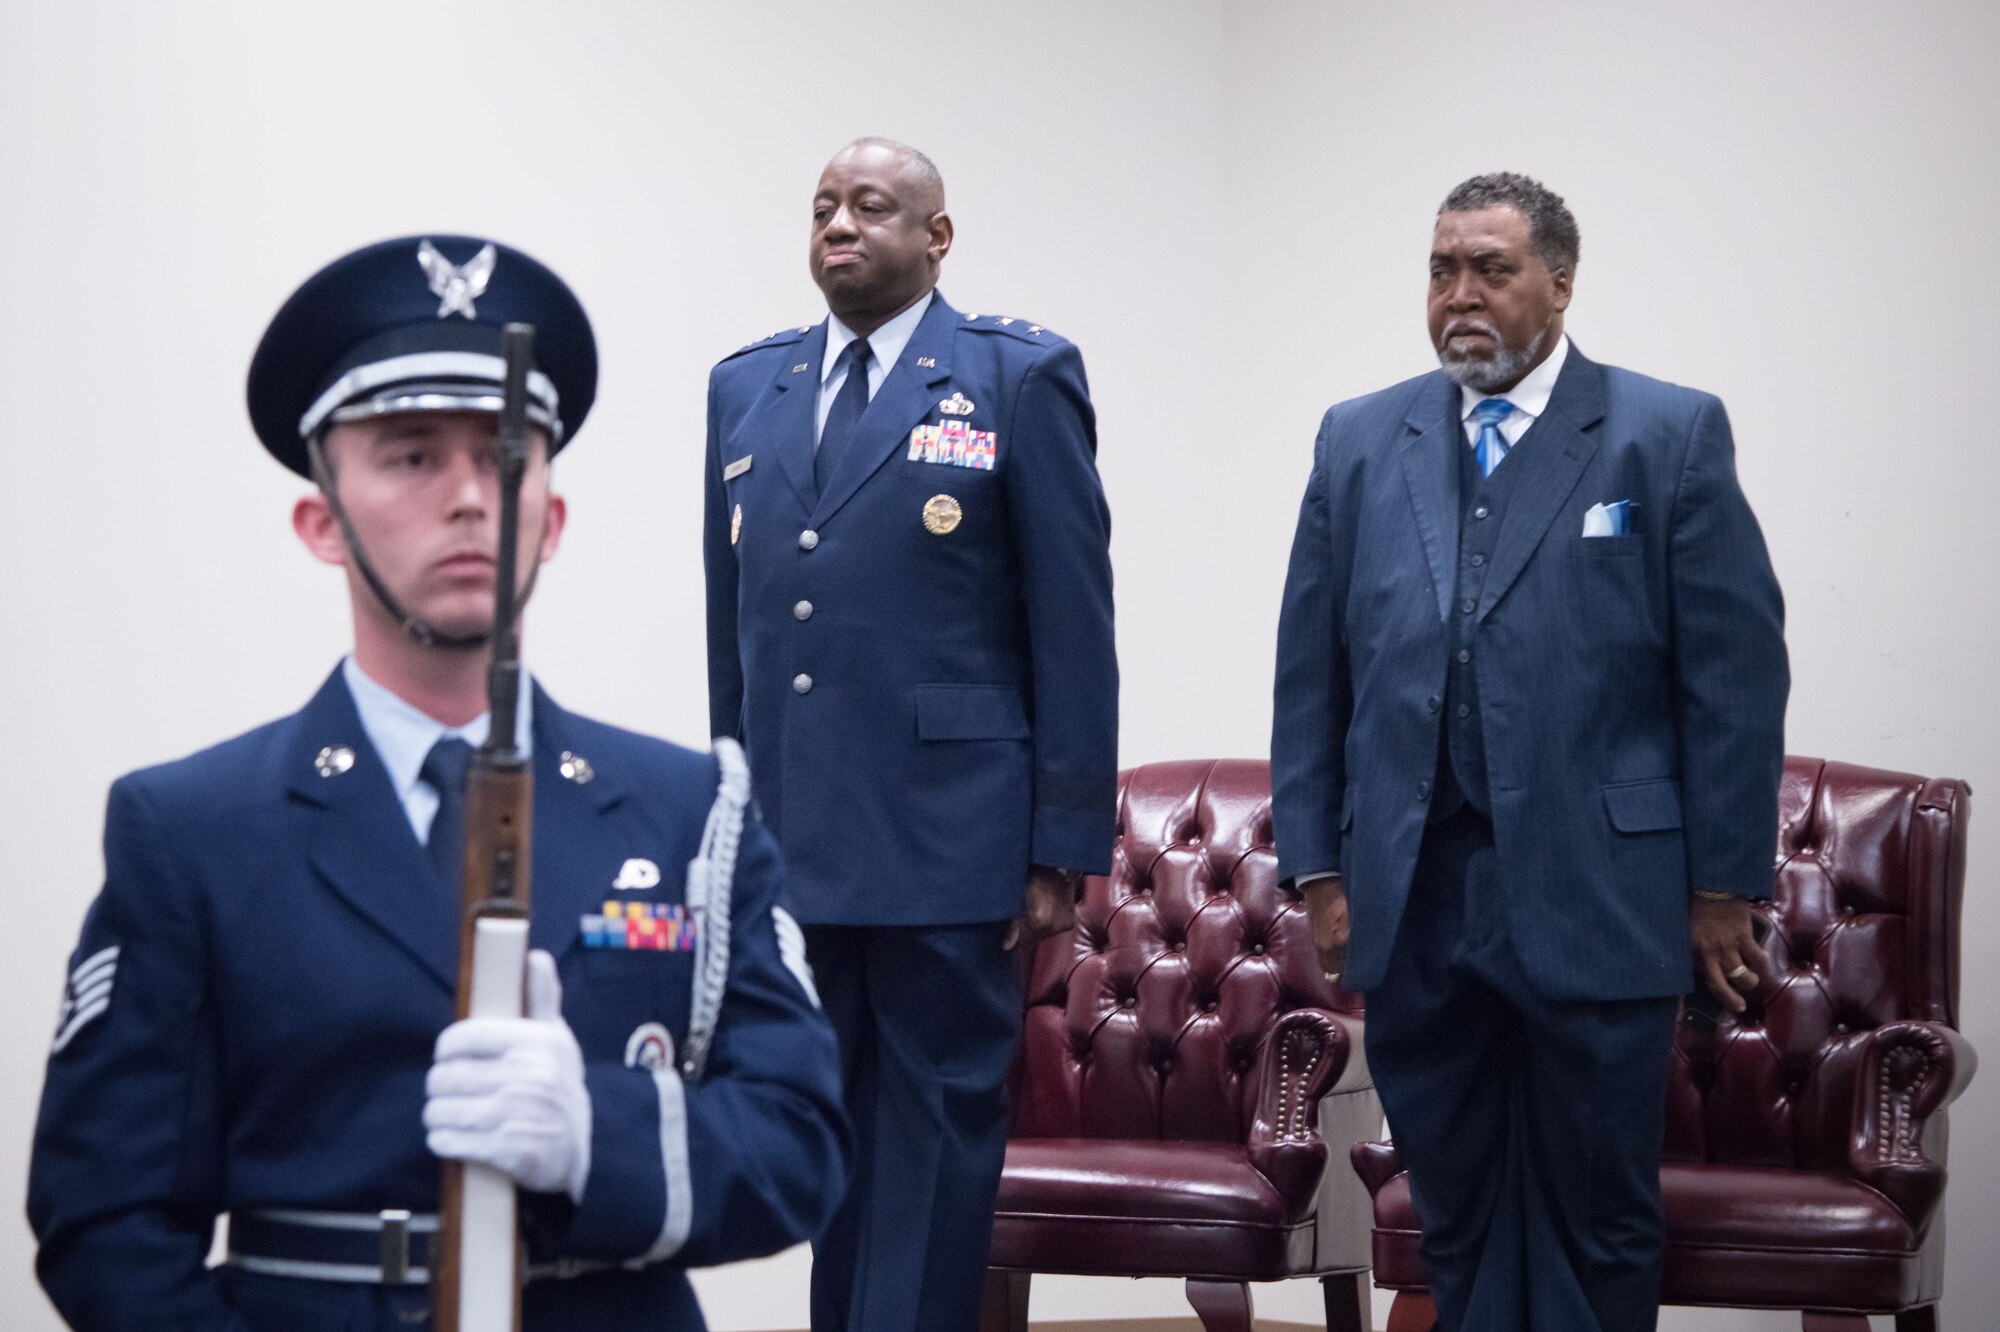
<point x="942" y="515"/>
<point x="637" y="874"/>
<point x="736" y="525"/>
<point x="651" y="1047"/>
<point x="956" y="405"/>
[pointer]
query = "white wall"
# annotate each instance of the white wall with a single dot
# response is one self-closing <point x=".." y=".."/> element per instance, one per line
<point x="1226" y="206"/>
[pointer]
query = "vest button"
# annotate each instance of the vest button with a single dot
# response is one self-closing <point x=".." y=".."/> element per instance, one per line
<point x="802" y="683"/>
<point x="1465" y="709"/>
<point x="802" y="611"/>
<point x="1467" y="606"/>
<point x="1464" y="655"/>
<point x="1433" y="703"/>
<point x="1423" y="790"/>
<point x="808" y="539"/>
<point x="1478" y="561"/>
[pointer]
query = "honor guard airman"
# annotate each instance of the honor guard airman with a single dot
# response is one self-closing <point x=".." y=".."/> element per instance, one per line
<point x="910" y="627"/>
<point x="258" y="1020"/>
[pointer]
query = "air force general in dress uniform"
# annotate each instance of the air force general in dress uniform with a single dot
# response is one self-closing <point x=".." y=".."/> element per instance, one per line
<point x="255" y="1001"/>
<point x="910" y="625"/>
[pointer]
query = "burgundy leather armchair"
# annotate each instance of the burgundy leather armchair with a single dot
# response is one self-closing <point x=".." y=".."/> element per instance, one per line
<point x="1184" y="1067"/>
<point x="1804" y="1164"/>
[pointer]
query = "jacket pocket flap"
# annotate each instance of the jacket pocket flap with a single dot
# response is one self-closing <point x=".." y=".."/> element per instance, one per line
<point x="1642" y="807"/>
<point x="970" y="712"/>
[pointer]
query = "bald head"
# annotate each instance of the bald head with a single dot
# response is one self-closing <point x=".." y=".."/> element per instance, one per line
<point x="880" y="232"/>
<point x="924" y="181"/>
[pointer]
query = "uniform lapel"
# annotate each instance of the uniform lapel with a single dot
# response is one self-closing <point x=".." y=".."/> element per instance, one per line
<point x="1563" y="443"/>
<point x="783" y="419"/>
<point x="363" y="846"/>
<point x="905" y="398"/>
<point x="1430" y="467"/>
<point x="575" y="858"/>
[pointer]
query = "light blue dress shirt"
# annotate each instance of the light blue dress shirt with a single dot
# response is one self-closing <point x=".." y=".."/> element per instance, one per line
<point x="885" y="346"/>
<point x="403" y="736"/>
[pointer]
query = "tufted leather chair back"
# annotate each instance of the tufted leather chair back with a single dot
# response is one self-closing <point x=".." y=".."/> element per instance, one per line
<point x="1865" y="919"/>
<point x="1145" y="1020"/>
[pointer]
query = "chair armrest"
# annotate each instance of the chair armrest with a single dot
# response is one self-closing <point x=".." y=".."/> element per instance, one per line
<point x="1909" y="1072"/>
<point x="1376" y="1162"/>
<point x="1303" y="1057"/>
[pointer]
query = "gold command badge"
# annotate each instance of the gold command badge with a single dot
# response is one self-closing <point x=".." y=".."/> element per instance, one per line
<point x="942" y="515"/>
<point x="736" y="525"/>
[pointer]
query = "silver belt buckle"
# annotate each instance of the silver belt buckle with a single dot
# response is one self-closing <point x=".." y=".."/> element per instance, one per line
<point x="395" y="1245"/>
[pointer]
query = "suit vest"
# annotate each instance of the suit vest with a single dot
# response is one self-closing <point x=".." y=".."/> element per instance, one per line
<point x="1483" y="500"/>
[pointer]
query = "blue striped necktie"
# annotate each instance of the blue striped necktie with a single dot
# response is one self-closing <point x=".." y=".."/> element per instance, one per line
<point x="1491" y="446"/>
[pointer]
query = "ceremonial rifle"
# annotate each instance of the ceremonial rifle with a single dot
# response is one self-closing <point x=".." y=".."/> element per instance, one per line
<point x="476" y="1284"/>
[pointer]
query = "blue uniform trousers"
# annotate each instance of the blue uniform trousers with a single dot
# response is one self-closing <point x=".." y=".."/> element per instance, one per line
<point x="927" y="1018"/>
<point x="1531" y="1127"/>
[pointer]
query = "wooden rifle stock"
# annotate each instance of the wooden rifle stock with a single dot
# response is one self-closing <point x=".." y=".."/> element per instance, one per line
<point x="477" y="1267"/>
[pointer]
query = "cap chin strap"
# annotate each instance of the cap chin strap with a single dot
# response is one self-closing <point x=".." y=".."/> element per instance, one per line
<point x="420" y="632"/>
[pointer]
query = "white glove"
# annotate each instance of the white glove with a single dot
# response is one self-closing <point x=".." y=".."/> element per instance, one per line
<point x="509" y="1092"/>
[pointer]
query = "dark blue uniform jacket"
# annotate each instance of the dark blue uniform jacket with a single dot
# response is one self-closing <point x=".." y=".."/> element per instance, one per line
<point x="929" y="707"/>
<point x="285" y="961"/>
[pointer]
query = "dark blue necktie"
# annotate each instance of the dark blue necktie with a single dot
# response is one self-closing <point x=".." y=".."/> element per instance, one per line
<point x="445" y="768"/>
<point x="844" y="415"/>
<point x="1491" y="446"/>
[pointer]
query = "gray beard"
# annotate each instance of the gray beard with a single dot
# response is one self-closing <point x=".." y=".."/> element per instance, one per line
<point x="1487" y="376"/>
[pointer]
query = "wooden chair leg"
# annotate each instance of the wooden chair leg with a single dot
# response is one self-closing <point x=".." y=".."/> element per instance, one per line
<point x="1004" y="1306"/>
<point x="1924" y="1319"/>
<point x="1222" y="1306"/>
<point x="1834" y="1322"/>
<point x="1348" y="1308"/>
<point x="1412" y="1312"/>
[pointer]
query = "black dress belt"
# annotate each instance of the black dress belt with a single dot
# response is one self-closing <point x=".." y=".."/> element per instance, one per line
<point x="387" y="1248"/>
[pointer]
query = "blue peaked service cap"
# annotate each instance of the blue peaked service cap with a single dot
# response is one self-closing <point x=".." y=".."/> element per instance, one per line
<point x="414" y="325"/>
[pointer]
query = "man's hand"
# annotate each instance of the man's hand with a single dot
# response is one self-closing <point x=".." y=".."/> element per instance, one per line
<point x="1326" y="911"/>
<point x="509" y="1092"/>
<point x="1725" y="949"/>
<point x="1051" y="908"/>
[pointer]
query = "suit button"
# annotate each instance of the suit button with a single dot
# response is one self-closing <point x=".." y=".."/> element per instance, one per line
<point x="1465" y="709"/>
<point x="1433" y="703"/>
<point x="1464" y="655"/>
<point x="808" y="539"/>
<point x="1478" y="561"/>
<point x="1481" y="511"/>
<point x="802" y="611"/>
<point x="802" y="683"/>
<point x="1467" y="606"/>
<point x="1423" y="790"/>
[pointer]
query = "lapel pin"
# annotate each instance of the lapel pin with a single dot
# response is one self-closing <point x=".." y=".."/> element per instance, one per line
<point x="334" y="760"/>
<point x="926" y="362"/>
<point x="942" y="515"/>
<point x="956" y="405"/>
<point x="637" y="874"/>
<point x="576" y="767"/>
<point x="800" y="368"/>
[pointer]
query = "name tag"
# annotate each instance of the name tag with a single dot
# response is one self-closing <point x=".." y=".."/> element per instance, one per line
<point x="737" y="468"/>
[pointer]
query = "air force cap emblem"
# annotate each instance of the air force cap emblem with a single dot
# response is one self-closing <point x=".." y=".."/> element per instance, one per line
<point x="456" y="286"/>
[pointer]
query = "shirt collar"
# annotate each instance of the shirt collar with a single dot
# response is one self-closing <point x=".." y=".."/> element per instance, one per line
<point x="886" y="342"/>
<point x="1531" y="396"/>
<point x="403" y="734"/>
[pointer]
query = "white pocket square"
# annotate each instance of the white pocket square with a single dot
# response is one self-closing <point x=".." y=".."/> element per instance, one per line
<point x="1604" y="520"/>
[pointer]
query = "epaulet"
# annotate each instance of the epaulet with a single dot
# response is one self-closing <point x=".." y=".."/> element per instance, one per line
<point x="1027" y="330"/>
<point x="778" y="339"/>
